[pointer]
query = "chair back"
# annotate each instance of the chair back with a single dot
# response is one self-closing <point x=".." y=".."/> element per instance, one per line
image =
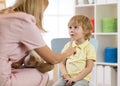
<point x="57" y="44"/>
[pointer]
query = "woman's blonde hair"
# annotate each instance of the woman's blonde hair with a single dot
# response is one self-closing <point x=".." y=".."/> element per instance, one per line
<point x="84" y="22"/>
<point x="33" y="7"/>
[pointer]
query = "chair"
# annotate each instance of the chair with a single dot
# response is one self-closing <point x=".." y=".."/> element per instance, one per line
<point x="57" y="45"/>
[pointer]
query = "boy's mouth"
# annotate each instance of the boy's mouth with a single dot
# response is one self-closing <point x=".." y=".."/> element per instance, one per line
<point x="71" y="34"/>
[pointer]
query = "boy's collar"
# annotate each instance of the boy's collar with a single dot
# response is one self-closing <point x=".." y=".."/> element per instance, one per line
<point x="81" y="46"/>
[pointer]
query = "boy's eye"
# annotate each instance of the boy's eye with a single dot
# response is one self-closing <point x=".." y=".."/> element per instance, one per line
<point x="70" y="27"/>
<point x="75" y="27"/>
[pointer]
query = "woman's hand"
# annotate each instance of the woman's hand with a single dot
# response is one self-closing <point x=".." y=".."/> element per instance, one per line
<point x="18" y="64"/>
<point x="71" y="50"/>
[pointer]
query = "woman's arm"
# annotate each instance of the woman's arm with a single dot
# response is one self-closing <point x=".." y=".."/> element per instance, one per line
<point x="52" y="57"/>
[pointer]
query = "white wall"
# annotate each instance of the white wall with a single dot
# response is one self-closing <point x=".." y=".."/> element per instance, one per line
<point x="56" y="18"/>
<point x="10" y="2"/>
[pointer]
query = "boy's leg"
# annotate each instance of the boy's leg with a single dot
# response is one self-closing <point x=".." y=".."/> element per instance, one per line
<point x="81" y="83"/>
<point x="60" y="82"/>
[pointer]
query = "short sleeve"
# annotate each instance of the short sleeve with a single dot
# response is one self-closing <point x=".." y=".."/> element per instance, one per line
<point x="31" y="36"/>
<point x="91" y="53"/>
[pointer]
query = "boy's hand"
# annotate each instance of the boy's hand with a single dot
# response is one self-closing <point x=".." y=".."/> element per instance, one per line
<point x="69" y="82"/>
<point x="65" y="76"/>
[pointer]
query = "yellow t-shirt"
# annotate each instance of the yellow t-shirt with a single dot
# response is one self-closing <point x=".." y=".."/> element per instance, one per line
<point x="76" y="63"/>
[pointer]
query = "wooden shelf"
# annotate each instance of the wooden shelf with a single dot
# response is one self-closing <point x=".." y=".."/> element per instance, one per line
<point x="106" y="64"/>
<point x="98" y="11"/>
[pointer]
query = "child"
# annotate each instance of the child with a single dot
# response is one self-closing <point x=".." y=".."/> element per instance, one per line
<point x="75" y="69"/>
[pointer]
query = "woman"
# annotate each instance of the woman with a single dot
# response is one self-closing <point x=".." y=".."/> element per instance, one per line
<point x="20" y="32"/>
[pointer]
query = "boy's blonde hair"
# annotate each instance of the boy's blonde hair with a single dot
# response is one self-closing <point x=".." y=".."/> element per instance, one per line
<point x="33" y="7"/>
<point x="84" y="22"/>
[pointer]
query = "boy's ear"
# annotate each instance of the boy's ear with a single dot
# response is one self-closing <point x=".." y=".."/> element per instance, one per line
<point x="85" y="32"/>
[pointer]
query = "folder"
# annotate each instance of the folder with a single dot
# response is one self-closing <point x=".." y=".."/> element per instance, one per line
<point x="100" y="75"/>
<point x="110" y="76"/>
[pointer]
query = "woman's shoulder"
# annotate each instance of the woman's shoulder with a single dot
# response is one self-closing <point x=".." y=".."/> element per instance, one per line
<point x="20" y="16"/>
<point x="25" y="17"/>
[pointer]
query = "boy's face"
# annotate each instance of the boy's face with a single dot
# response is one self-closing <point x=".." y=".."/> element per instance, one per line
<point x="76" y="33"/>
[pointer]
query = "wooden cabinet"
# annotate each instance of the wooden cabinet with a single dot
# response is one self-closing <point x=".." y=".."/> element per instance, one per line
<point x="100" y="10"/>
